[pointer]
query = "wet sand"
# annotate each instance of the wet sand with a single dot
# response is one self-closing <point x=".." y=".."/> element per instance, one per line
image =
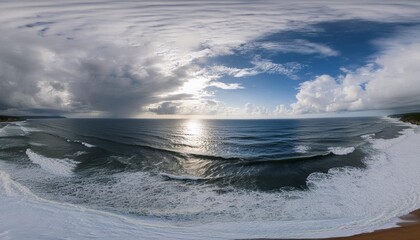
<point x="409" y="229"/>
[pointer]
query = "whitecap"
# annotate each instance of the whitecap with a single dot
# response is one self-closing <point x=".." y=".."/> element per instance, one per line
<point x="11" y="130"/>
<point x="60" y="167"/>
<point x="182" y="177"/>
<point x="382" y="144"/>
<point x="341" y="150"/>
<point x="83" y="143"/>
<point x="87" y="145"/>
<point x="37" y="144"/>
<point x="368" y="136"/>
<point x="302" y="148"/>
<point x="2" y="131"/>
<point x="344" y="201"/>
<point x="24" y="127"/>
<point x="9" y="188"/>
<point x="79" y="153"/>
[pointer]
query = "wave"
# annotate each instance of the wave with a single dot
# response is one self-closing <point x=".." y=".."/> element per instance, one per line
<point x="79" y="153"/>
<point x="314" y="157"/>
<point x="60" y="167"/>
<point x="17" y="129"/>
<point x="368" y="136"/>
<point x="343" y="201"/>
<point x="2" y="131"/>
<point x="37" y="144"/>
<point x="302" y="149"/>
<point x="76" y="154"/>
<point x="184" y="177"/>
<point x="11" y="130"/>
<point x="9" y="188"/>
<point x="17" y="202"/>
<point x="341" y="150"/>
<point x="83" y="143"/>
<point x="383" y="144"/>
<point x="23" y="126"/>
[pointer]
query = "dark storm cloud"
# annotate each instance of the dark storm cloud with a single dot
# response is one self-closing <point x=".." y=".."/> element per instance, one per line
<point x="19" y="73"/>
<point x="80" y="76"/>
<point x="120" y="89"/>
<point x="165" y="108"/>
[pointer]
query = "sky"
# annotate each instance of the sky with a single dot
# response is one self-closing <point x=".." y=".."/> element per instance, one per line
<point x="209" y="59"/>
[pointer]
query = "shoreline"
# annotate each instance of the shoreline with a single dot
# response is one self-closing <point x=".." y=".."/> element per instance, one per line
<point x="413" y="118"/>
<point x="10" y="119"/>
<point x="4" y="118"/>
<point x="407" y="229"/>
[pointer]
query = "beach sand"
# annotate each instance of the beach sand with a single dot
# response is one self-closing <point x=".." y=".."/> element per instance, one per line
<point x="409" y="229"/>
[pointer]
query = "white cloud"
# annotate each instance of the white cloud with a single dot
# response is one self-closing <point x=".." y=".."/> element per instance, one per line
<point x="226" y="86"/>
<point x="165" y="108"/>
<point x="235" y="72"/>
<point x="282" y="109"/>
<point x="391" y="81"/>
<point x="299" y="46"/>
<point x="207" y="107"/>
<point x="259" y="66"/>
<point x="325" y="94"/>
<point x="118" y="58"/>
<point x="251" y="109"/>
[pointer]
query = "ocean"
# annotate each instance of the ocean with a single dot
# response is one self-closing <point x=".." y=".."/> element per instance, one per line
<point x="205" y="179"/>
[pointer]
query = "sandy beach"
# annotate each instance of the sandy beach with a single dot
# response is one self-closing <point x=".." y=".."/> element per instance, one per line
<point x="409" y="229"/>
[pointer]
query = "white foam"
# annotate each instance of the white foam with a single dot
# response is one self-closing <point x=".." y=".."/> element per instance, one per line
<point x="8" y="187"/>
<point x="79" y="153"/>
<point x="88" y="145"/>
<point x="83" y="143"/>
<point x="368" y="136"/>
<point x="60" y="167"/>
<point x="37" y="144"/>
<point x="26" y="216"/>
<point x="302" y="149"/>
<point x="344" y="201"/>
<point x="76" y="154"/>
<point x="182" y="177"/>
<point x="383" y="144"/>
<point x="23" y="125"/>
<point x="11" y="130"/>
<point x="341" y="150"/>
<point x="2" y="131"/>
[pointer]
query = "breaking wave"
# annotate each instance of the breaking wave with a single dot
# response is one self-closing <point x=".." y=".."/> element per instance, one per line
<point x="60" y="167"/>
<point x="302" y="149"/>
<point x="341" y="150"/>
<point x="83" y="143"/>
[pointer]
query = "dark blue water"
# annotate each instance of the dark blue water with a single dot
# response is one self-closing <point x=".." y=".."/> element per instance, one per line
<point x="178" y="169"/>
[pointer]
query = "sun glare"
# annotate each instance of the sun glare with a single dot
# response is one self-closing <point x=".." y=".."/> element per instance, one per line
<point x="193" y="128"/>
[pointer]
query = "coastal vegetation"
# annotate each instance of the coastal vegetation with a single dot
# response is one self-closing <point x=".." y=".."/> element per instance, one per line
<point x="10" y="119"/>
<point x="413" y="118"/>
<point x="4" y="118"/>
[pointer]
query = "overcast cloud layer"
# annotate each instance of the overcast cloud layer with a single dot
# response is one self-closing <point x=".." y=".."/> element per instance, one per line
<point x="149" y="57"/>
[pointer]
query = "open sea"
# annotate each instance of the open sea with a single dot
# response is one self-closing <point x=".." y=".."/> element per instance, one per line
<point x="205" y="179"/>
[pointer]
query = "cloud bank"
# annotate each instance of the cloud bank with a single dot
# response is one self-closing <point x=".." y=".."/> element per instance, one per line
<point x="390" y="81"/>
<point x="124" y="59"/>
